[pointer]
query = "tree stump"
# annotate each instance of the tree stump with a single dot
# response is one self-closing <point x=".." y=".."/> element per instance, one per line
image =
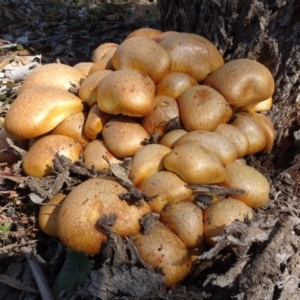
<point x="269" y="32"/>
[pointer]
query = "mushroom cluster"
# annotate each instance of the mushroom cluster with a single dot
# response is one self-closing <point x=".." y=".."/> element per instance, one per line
<point x="169" y="102"/>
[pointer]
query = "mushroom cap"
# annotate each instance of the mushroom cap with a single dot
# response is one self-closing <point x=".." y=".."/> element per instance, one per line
<point x="242" y="82"/>
<point x="165" y="110"/>
<point x="105" y="63"/>
<point x="253" y="131"/>
<point x="222" y="213"/>
<point x="250" y="180"/>
<point x="90" y="83"/>
<point x="126" y="92"/>
<point x="146" y="32"/>
<point x="203" y="108"/>
<point x="237" y="136"/>
<point x="48" y="214"/>
<point x="84" y="68"/>
<point x="192" y="54"/>
<point x="165" y="187"/>
<point x="52" y="75"/>
<point x="81" y="210"/>
<point x="161" y="248"/>
<point x="195" y="164"/>
<point x="123" y="136"/>
<point x="175" y="83"/>
<point x="73" y="126"/>
<point x="216" y="142"/>
<point x="101" y="50"/>
<point x="268" y="129"/>
<point x="38" y="161"/>
<point x="39" y="110"/>
<point x="185" y="219"/>
<point x="95" y="121"/>
<point x="93" y="156"/>
<point x="144" y="55"/>
<point x="147" y="161"/>
<point x="171" y="137"/>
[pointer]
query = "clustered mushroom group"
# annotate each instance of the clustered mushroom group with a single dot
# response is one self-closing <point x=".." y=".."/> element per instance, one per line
<point x="128" y="94"/>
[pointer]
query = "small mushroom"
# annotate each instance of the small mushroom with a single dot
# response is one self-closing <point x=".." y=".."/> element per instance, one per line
<point x="38" y="161"/>
<point x="195" y="164"/>
<point x="161" y="248"/>
<point x="123" y="136"/>
<point x="192" y="54"/>
<point x="203" y="108"/>
<point x="165" y="187"/>
<point x="254" y="183"/>
<point x="126" y="92"/>
<point x="144" y="55"/>
<point x="147" y="161"/>
<point x="222" y="213"/>
<point x="175" y="83"/>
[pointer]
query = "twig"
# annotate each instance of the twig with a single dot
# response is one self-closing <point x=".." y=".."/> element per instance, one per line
<point x="37" y="274"/>
<point x="214" y="189"/>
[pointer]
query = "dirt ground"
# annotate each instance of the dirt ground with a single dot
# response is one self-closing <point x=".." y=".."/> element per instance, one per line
<point x="253" y="260"/>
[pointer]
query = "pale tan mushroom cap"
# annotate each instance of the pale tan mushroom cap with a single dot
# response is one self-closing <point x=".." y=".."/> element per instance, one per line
<point x="192" y="54"/>
<point x="144" y="55"/>
<point x="126" y="92"/>
<point x="55" y="75"/>
<point x="39" y="110"/>
<point x="242" y="82"/>
<point x="38" y="161"/>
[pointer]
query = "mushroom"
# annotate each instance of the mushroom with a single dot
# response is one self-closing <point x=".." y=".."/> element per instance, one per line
<point x="195" y="164"/>
<point x="73" y="126"/>
<point x="95" y="121"/>
<point x="38" y="161"/>
<point x="253" y="131"/>
<point x="165" y="187"/>
<point x="165" y="110"/>
<point x="78" y="217"/>
<point x="144" y="55"/>
<point x="254" y="183"/>
<point x="175" y="83"/>
<point x="84" y="68"/>
<point x="185" y="219"/>
<point x="203" y="108"/>
<point x="39" y="110"/>
<point x="171" y="137"/>
<point x="242" y="82"/>
<point x="192" y="54"/>
<point x="222" y="213"/>
<point x="48" y="214"/>
<point x="146" y="32"/>
<point x="52" y="75"/>
<point x="161" y="248"/>
<point x="216" y="142"/>
<point x="101" y="50"/>
<point x="123" y="136"/>
<point x="105" y="63"/>
<point x="89" y="85"/>
<point x="237" y="136"/>
<point x="126" y="92"/>
<point x="268" y="129"/>
<point x="147" y="161"/>
<point x="93" y="156"/>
